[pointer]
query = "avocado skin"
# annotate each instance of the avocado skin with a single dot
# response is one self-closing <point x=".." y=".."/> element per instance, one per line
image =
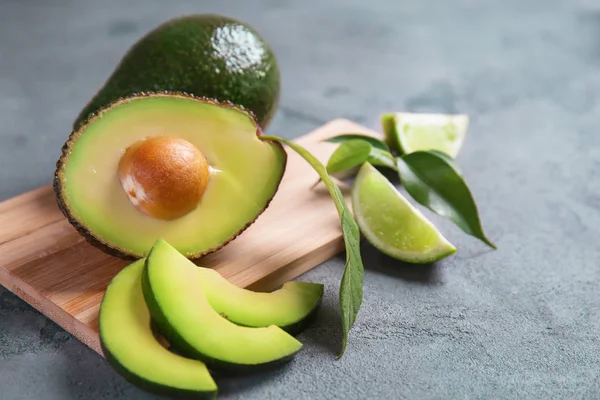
<point x="297" y="327"/>
<point x="206" y="55"/>
<point x="183" y="348"/>
<point x="300" y="325"/>
<point x="89" y="235"/>
<point x="151" y="387"/>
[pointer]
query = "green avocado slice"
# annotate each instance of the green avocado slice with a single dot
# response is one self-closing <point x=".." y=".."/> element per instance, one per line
<point x="185" y="317"/>
<point x="291" y="307"/>
<point x="130" y="346"/>
<point x="244" y="174"/>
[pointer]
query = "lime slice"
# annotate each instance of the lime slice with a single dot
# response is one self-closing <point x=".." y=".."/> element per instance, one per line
<point x="410" y="132"/>
<point x="392" y="224"/>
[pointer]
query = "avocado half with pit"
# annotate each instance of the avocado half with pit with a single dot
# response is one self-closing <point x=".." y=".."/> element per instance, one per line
<point x="130" y="346"/>
<point x="185" y="317"/>
<point x="167" y="165"/>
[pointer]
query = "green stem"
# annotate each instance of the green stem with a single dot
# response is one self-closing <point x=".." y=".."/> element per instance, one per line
<point x="351" y="286"/>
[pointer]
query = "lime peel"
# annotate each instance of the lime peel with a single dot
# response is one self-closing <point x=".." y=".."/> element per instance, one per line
<point x="410" y="132"/>
<point x="392" y="224"/>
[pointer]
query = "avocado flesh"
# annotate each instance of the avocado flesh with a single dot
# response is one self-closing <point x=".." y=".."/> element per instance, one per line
<point x="290" y="307"/>
<point x="205" y="55"/>
<point x="185" y="317"/>
<point x="130" y="346"/>
<point x="245" y="174"/>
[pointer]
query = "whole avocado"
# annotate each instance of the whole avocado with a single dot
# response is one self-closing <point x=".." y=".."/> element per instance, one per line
<point x="205" y="55"/>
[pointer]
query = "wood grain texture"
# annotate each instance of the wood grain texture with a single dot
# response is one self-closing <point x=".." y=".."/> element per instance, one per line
<point x="44" y="261"/>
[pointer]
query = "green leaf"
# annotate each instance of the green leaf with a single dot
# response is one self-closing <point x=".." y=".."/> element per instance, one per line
<point x="434" y="181"/>
<point x="351" y="286"/>
<point x="446" y="157"/>
<point x="373" y="141"/>
<point x="348" y="155"/>
<point x="443" y="155"/>
<point x="382" y="158"/>
<point x="354" y="152"/>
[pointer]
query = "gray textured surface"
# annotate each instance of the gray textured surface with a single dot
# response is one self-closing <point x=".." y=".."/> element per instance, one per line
<point x="519" y="322"/>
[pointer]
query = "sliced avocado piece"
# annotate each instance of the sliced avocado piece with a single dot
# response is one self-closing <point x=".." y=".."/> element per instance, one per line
<point x="190" y="170"/>
<point x="291" y="307"/>
<point x="179" y="307"/>
<point x="130" y="346"/>
<point x="205" y="55"/>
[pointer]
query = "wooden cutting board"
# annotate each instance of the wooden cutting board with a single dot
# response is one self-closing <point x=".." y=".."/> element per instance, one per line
<point x="45" y="262"/>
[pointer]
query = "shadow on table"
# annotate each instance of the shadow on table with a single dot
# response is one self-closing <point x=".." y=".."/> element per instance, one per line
<point x="325" y="330"/>
<point x="238" y="384"/>
<point x="89" y="376"/>
<point x="376" y="261"/>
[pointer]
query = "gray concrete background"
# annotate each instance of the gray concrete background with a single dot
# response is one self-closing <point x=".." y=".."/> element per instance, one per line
<point x="519" y="322"/>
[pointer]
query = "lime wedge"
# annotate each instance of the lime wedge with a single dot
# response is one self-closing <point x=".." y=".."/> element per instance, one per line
<point x="410" y="132"/>
<point x="392" y="224"/>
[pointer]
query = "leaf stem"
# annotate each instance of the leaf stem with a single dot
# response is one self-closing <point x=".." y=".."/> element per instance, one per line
<point x="351" y="286"/>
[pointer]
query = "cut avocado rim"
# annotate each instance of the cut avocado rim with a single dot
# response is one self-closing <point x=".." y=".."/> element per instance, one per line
<point x="183" y="341"/>
<point x="93" y="238"/>
<point x="280" y="307"/>
<point x="115" y="357"/>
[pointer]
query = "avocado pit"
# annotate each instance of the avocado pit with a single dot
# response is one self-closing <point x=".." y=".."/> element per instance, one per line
<point x="164" y="177"/>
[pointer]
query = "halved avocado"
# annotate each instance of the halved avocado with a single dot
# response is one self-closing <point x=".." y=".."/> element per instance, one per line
<point x="185" y="317"/>
<point x="190" y="170"/>
<point x="130" y="346"/>
<point x="291" y="307"/>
